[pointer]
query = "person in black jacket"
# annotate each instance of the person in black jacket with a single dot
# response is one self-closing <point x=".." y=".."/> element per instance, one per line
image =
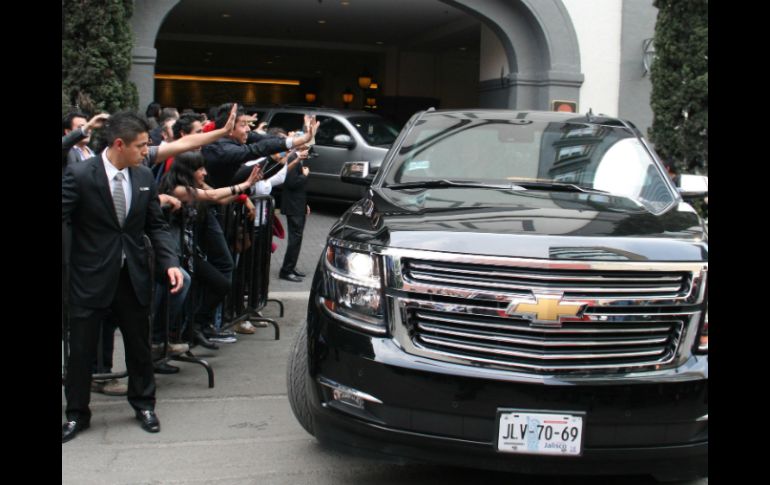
<point x="110" y="202"/>
<point x="225" y="156"/>
<point x="294" y="207"/>
<point x="71" y="136"/>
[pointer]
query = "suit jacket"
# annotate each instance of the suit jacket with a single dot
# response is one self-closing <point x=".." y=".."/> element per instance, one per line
<point x="73" y="157"/>
<point x="294" y="196"/>
<point x="98" y="241"/>
<point x="67" y="142"/>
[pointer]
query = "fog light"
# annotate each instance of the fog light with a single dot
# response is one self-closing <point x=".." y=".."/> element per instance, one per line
<point x="347" y="395"/>
<point x="348" y="398"/>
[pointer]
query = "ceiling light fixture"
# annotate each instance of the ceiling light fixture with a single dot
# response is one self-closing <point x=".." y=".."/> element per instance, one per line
<point x="181" y="77"/>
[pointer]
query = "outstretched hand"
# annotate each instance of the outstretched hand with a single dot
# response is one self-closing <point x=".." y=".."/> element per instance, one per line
<point x="255" y="175"/>
<point x="231" y="120"/>
<point x="97" y="121"/>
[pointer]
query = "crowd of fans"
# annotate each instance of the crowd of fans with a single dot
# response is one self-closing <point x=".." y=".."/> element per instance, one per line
<point x="201" y="167"/>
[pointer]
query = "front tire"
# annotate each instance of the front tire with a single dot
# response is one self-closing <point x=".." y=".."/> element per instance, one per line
<point x="297" y="380"/>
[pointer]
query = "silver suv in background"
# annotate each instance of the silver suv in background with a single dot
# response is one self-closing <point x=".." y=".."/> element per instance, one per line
<point x="343" y="136"/>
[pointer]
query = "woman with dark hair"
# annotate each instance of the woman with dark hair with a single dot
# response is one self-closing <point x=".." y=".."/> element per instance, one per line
<point x="153" y="114"/>
<point x="200" y="236"/>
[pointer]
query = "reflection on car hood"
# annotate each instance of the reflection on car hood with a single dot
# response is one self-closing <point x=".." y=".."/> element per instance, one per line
<point x="533" y="224"/>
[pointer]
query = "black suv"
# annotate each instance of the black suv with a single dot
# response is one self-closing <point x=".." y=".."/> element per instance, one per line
<point x="342" y="136"/>
<point x="521" y="291"/>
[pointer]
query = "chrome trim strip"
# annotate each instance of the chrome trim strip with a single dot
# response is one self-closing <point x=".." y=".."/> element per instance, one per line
<point x="491" y="295"/>
<point x="705" y="417"/>
<point x="513" y="274"/>
<point x="368" y="327"/>
<point x="475" y="361"/>
<point x="336" y="385"/>
<point x="524" y="327"/>
<point x="471" y="309"/>
<point x="567" y="289"/>
<point x="542" y="356"/>
<point x="541" y="342"/>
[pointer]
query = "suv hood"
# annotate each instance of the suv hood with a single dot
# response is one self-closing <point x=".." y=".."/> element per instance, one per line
<point x="525" y="224"/>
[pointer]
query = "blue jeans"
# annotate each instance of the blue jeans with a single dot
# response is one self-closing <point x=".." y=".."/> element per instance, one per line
<point x="176" y="304"/>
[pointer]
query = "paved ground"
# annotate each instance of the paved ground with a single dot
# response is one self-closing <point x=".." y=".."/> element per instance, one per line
<point x="242" y="431"/>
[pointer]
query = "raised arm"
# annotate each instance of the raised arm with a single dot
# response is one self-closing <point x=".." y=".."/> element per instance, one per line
<point x="191" y="142"/>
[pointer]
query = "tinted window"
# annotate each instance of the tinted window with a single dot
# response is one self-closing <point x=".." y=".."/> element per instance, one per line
<point x="608" y="158"/>
<point x="328" y="129"/>
<point x="376" y="131"/>
<point x="288" y="121"/>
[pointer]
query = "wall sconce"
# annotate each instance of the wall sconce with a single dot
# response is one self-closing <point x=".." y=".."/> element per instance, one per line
<point x="310" y="97"/>
<point x="347" y="97"/>
<point x="371" y="102"/>
<point x="648" y="54"/>
<point x="373" y="86"/>
<point x="364" y="80"/>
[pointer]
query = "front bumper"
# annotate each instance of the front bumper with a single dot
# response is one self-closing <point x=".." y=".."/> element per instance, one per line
<point x="434" y="416"/>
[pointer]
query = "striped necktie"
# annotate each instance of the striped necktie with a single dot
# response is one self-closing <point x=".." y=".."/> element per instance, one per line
<point x="119" y="198"/>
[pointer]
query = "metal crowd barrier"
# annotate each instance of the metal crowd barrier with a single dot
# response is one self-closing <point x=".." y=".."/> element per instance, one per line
<point x="251" y="244"/>
<point x="188" y="312"/>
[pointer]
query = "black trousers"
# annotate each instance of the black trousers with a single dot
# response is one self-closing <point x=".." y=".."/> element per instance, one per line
<point x="296" y="226"/>
<point x="210" y="287"/>
<point x="133" y="320"/>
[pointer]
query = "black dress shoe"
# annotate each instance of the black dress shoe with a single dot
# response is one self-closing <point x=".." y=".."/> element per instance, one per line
<point x="165" y="368"/>
<point x="148" y="420"/>
<point x="290" y="277"/>
<point x="201" y="339"/>
<point x="298" y="273"/>
<point x="71" y="428"/>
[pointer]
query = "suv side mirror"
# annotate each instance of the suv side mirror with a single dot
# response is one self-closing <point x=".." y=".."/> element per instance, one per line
<point x="344" y="140"/>
<point x="693" y="186"/>
<point x="356" y="173"/>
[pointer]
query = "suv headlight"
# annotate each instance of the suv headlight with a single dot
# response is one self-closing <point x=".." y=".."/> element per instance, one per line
<point x="354" y="287"/>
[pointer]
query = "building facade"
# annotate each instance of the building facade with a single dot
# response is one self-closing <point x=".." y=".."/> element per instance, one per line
<point x="528" y="54"/>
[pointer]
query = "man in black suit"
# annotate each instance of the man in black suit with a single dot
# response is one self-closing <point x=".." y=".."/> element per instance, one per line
<point x="294" y="207"/>
<point x="111" y="201"/>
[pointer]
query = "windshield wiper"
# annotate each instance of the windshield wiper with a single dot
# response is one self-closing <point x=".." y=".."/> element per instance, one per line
<point x="439" y="183"/>
<point x="560" y="186"/>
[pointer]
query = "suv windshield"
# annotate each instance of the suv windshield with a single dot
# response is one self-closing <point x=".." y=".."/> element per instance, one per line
<point x="534" y="154"/>
<point x="376" y="131"/>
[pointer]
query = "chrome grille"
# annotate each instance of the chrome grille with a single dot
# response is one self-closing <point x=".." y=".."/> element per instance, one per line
<point x="635" y="316"/>
<point x="578" y="284"/>
<point x="614" y="342"/>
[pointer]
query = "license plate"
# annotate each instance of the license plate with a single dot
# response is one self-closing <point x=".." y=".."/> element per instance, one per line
<point x="540" y="433"/>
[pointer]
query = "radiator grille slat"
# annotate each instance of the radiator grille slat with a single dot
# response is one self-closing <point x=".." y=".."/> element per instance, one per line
<point x="475" y="329"/>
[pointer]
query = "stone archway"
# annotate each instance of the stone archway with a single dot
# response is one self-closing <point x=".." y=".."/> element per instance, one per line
<point x="541" y="48"/>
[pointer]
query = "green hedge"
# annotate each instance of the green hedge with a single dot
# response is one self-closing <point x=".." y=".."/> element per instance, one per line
<point x="680" y="84"/>
<point x="96" y="55"/>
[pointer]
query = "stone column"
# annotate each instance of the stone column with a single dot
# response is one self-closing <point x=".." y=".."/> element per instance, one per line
<point x="145" y="24"/>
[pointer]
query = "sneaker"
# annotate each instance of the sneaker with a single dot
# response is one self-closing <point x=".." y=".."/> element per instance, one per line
<point x="245" y="327"/>
<point x="113" y="387"/>
<point x="223" y="339"/>
<point x="211" y="332"/>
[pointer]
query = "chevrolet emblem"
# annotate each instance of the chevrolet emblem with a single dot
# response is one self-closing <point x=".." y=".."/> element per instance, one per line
<point x="547" y="310"/>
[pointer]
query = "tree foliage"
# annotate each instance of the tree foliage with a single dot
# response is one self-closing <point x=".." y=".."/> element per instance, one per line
<point x="679" y="78"/>
<point x="96" y="55"/>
